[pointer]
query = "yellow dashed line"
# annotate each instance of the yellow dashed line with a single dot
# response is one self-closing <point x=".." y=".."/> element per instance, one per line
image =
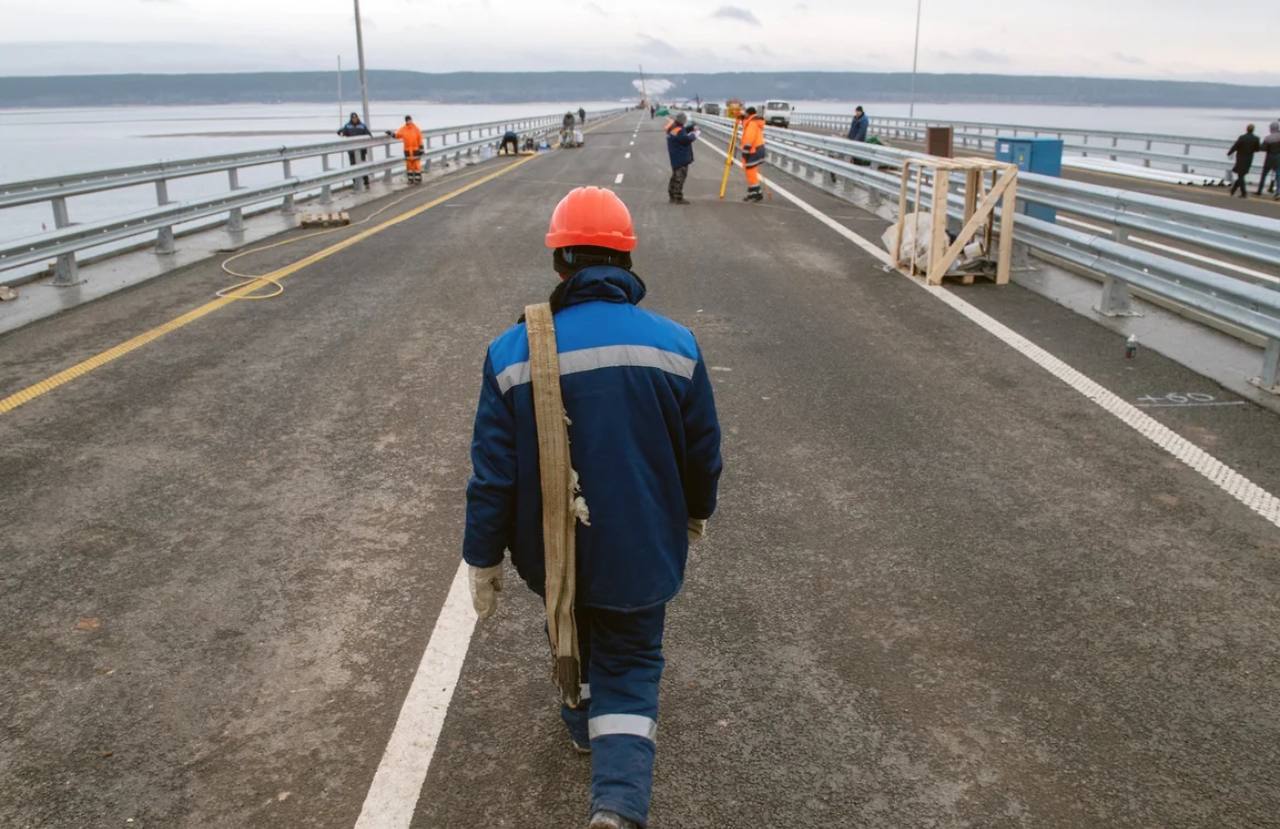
<point x="80" y="369"/>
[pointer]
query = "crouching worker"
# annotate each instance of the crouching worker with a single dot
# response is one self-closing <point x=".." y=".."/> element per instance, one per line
<point x="510" y="143"/>
<point x="634" y="484"/>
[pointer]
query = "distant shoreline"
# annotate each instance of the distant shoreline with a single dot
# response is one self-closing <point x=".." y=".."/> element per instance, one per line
<point x="496" y="88"/>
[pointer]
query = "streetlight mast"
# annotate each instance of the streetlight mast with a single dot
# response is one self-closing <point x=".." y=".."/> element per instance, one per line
<point x="364" y="81"/>
<point x="915" y="62"/>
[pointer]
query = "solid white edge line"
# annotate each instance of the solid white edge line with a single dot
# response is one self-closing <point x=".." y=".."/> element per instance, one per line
<point x="618" y="180"/>
<point x="397" y="785"/>
<point x="1215" y="471"/>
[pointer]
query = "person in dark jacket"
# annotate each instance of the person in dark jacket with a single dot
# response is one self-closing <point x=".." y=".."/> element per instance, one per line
<point x="680" y="140"/>
<point x="510" y="143"/>
<point x="1244" y="148"/>
<point x="858" y="126"/>
<point x="355" y="128"/>
<point x="582" y="115"/>
<point x="858" y="131"/>
<point x="645" y="441"/>
<point x="1271" y="161"/>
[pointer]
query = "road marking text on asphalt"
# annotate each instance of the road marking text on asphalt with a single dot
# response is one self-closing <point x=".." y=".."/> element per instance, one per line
<point x="618" y="180"/>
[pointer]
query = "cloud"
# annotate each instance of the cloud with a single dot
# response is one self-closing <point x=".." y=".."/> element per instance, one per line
<point x="736" y="13"/>
<point x="978" y="55"/>
<point x="1132" y="60"/>
<point x="658" y="48"/>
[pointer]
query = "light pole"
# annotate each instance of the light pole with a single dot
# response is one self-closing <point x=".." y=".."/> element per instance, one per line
<point x="915" y="62"/>
<point x="364" y="82"/>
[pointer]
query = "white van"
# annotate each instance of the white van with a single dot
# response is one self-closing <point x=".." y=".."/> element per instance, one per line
<point x="777" y="113"/>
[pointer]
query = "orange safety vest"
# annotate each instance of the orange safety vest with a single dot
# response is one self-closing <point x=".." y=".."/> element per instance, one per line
<point x="753" y="141"/>
<point x="411" y="136"/>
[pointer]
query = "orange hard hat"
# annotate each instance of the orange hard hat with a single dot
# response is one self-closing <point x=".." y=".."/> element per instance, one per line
<point x="591" y="216"/>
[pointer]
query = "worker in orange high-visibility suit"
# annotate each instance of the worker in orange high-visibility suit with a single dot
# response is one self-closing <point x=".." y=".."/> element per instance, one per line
<point x="753" y="153"/>
<point x="413" y="150"/>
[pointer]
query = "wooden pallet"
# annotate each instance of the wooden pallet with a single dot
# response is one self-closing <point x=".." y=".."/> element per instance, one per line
<point x="325" y="219"/>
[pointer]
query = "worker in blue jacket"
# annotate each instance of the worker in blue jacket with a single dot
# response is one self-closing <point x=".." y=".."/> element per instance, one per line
<point x="355" y="128"/>
<point x="645" y="441"/>
<point x="858" y="128"/>
<point x="859" y="125"/>
<point x="680" y="140"/>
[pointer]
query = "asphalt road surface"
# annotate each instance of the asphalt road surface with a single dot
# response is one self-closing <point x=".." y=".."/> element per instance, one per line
<point x="943" y="589"/>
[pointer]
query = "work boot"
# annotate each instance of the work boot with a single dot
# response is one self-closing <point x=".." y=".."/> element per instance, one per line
<point x="611" y="820"/>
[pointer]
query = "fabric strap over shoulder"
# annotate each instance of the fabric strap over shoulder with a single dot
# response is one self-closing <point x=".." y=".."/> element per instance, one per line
<point x="562" y="506"/>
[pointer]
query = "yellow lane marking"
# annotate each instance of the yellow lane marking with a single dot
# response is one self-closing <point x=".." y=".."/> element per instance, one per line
<point x="26" y="395"/>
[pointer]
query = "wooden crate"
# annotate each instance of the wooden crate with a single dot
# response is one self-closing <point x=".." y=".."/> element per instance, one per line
<point x="980" y="202"/>
<point x="325" y="219"/>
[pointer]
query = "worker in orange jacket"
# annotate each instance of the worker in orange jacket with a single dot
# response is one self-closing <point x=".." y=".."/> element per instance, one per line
<point x="753" y="153"/>
<point x="413" y="149"/>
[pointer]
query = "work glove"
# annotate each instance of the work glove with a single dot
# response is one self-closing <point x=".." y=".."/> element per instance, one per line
<point x="697" y="529"/>
<point x="390" y="134"/>
<point x="486" y="584"/>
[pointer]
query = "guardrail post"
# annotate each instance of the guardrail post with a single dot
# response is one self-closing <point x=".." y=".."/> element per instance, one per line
<point x="326" y="192"/>
<point x="164" y="236"/>
<point x="1146" y="162"/>
<point x="235" y="221"/>
<point x="1115" y="142"/>
<point x="1269" y="380"/>
<point x="1186" y="150"/>
<point x="391" y="171"/>
<point x="1116" y="301"/>
<point x="288" y="206"/>
<point x="65" y="270"/>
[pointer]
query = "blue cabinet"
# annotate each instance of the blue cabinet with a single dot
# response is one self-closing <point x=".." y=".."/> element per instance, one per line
<point x="1033" y="155"/>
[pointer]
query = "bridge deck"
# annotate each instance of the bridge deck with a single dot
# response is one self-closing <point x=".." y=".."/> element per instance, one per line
<point x="944" y="587"/>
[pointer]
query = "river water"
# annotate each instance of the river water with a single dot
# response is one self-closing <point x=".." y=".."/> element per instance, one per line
<point x="47" y="142"/>
<point x="36" y="143"/>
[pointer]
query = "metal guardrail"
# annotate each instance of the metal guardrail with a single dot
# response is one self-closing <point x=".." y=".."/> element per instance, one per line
<point x="1109" y="143"/>
<point x="1246" y="305"/>
<point x="68" y="238"/>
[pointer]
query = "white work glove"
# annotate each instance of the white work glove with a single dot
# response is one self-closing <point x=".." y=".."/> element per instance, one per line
<point x="486" y="584"/>
<point x="697" y="529"/>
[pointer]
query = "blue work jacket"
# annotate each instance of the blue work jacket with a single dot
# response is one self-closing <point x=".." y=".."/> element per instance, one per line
<point x="644" y="439"/>
<point x="680" y="142"/>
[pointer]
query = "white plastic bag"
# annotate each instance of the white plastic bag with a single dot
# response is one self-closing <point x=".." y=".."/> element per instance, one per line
<point x="917" y="232"/>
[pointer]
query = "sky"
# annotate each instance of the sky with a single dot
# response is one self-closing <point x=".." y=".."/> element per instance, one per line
<point x="1162" y="39"/>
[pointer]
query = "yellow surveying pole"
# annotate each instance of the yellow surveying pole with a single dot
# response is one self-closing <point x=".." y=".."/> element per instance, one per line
<point x="728" y="159"/>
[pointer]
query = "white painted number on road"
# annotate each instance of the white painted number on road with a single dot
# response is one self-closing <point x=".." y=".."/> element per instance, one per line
<point x="618" y="180"/>
<point x="1183" y="399"/>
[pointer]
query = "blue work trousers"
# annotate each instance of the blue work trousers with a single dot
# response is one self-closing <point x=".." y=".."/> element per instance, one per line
<point x="621" y="655"/>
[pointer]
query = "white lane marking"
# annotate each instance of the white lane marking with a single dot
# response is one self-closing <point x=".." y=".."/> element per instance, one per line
<point x="1138" y="240"/>
<point x="632" y="144"/>
<point x="1215" y="471"/>
<point x="628" y="155"/>
<point x="397" y="785"/>
<point x="618" y="180"/>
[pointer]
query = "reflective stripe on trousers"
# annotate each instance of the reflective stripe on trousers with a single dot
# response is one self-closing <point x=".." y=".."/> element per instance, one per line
<point x="622" y="659"/>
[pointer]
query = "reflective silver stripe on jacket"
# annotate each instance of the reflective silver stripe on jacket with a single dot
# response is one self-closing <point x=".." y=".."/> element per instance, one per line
<point x="605" y="356"/>
<point x="631" y="724"/>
